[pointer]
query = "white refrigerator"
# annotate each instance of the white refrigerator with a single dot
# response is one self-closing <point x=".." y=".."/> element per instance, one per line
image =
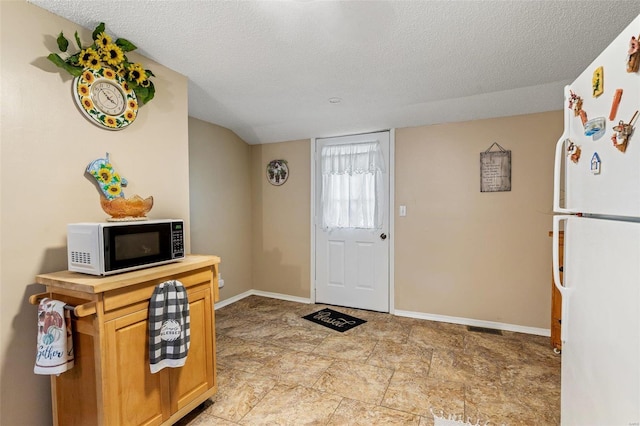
<point x="597" y="205"/>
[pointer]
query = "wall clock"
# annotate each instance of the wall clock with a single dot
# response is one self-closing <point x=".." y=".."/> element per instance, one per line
<point x="105" y="98"/>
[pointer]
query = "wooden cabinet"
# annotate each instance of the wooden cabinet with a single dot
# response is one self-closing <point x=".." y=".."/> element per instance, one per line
<point x="111" y="382"/>
<point x="556" y="299"/>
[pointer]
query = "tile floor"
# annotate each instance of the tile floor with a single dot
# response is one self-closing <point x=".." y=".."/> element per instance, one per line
<point x="276" y="368"/>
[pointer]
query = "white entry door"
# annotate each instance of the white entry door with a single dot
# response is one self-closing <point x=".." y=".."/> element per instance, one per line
<point x="352" y="229"/>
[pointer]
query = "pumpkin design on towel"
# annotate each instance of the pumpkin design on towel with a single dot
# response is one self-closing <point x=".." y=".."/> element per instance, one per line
<point x="49" y="324"/>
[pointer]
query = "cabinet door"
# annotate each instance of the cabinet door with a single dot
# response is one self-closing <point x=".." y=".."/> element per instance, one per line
<point x="197" y="375"/>
<point x="134" y="395"/>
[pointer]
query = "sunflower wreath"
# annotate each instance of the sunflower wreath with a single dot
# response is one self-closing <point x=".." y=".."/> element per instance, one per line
<point x="106" y="52"/>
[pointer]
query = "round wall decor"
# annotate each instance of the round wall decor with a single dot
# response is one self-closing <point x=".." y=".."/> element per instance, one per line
<point x="105" y="98"/>
<point x="277" y="172"/>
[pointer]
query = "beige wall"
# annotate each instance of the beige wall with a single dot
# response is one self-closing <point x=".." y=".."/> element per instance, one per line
<point x="46" y="145"/>
<point x="220" y="194"/>
<point x="458" y="252"/>
<point x="463" y="253"/>
<point x="281" y="220"/>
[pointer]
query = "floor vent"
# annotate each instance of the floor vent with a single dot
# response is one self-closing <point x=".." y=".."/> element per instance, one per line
<point x="484" y="330"/>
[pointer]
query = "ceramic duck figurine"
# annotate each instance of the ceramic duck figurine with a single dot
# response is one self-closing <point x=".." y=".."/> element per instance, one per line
<point x="109" y="181"/>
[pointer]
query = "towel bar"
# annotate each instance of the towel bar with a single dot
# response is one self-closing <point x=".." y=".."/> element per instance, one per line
<point x="79" y="311"/>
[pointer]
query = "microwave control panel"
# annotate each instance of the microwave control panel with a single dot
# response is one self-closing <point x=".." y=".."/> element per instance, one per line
<point x="177" y="239"/>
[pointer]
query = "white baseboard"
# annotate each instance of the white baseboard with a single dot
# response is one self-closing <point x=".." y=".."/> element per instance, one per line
<point x="477" y="323"/>
<point x="248" y="293"/>
<point x="232" y="299"/>
<point x="281" y="296"/>
<point x="418" y="315"/>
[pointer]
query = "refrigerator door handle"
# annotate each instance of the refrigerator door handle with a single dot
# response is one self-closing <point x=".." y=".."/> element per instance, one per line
<point x="564" y="291"/>
<point x="559" y="157"/>
<point x="556" y="251"/>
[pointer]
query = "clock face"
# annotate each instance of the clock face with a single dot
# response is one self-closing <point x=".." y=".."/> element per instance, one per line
<point x="105" y="98"/>
<point x="108" y="97"/>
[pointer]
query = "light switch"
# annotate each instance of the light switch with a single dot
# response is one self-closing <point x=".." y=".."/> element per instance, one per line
<point x="403" y="210"/>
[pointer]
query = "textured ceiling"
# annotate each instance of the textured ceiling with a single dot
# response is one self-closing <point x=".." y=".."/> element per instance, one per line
<point x="266" y="69"/>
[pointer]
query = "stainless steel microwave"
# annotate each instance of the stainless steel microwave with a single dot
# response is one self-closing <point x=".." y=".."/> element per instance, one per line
<point x="105" y="248"/>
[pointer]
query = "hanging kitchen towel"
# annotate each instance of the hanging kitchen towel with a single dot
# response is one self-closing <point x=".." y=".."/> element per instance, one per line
<point x="55" y="338"/>
<point x="169" y="334"/>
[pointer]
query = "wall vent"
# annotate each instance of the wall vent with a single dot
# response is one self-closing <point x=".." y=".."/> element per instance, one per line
<point x="484" y="330"/>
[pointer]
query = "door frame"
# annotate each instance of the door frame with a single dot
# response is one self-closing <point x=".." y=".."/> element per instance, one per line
<point x="391" y="212"/>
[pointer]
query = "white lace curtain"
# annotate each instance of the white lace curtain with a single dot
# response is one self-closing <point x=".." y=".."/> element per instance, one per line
<point x="352" y="186"/>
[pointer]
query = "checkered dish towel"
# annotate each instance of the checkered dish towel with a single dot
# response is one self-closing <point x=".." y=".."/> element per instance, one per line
<point x="169" y="334"/>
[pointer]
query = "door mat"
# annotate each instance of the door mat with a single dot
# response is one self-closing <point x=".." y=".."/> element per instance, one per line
<point x="334" y="320"/>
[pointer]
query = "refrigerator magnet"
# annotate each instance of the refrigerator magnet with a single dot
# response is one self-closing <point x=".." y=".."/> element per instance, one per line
<point x="597" y="82"/>
<point x="633" y="57"/>
<point x="573" y="151"/>
<point x="595" y="164"/>
<point x="614" y="104"/>
<point x="575" y="104"/>
<point x="622" y="133"/>
<point x="595" y="127"/>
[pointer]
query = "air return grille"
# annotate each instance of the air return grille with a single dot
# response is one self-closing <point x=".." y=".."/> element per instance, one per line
<point x="484" y="330"/>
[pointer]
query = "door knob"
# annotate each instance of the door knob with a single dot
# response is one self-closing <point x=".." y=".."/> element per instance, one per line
<point x="383" y="236"/>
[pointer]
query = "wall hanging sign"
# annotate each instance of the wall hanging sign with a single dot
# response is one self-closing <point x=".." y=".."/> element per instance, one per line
<point x="277" y="172"/>
<point x="495" y="170"/>
<point x="107" y="88"/>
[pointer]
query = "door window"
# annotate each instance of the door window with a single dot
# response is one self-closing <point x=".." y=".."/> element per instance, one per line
<point x="352" y="186"/>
